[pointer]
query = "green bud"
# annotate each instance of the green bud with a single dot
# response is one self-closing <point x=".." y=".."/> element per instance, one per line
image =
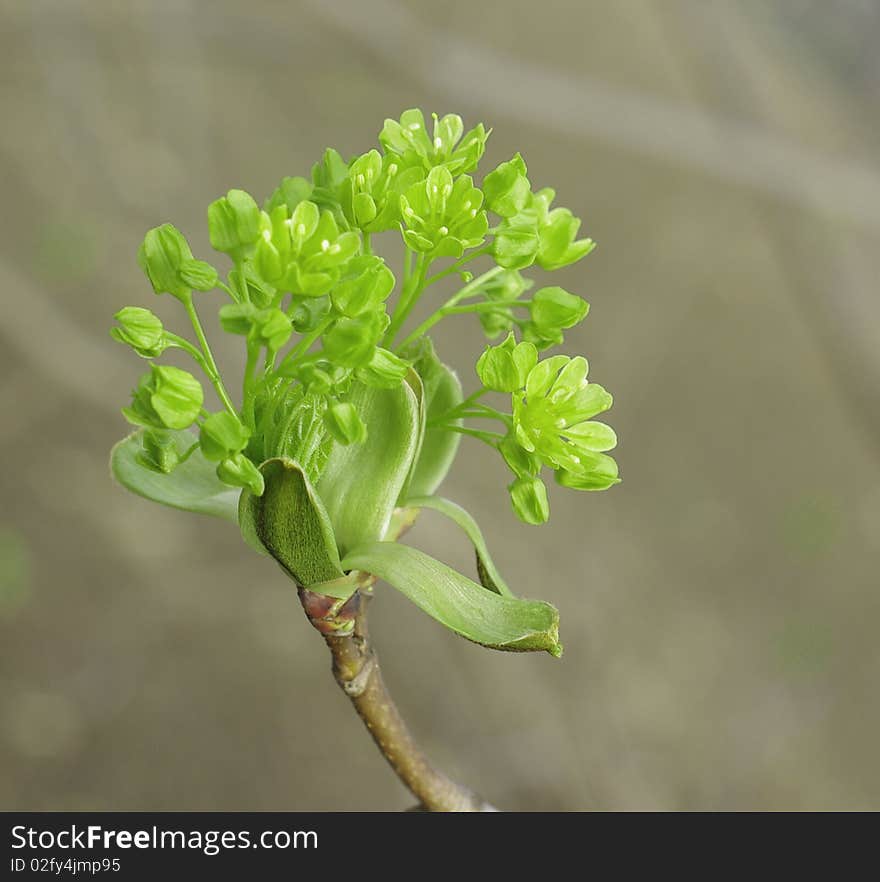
<point x="162" y="254"/>
<point x="234" y="223"/>
<point x="558" y="247"/>
<point x="315" y="378"/>
<point x="199" y="275"/>
<point x="351" y="341"/>
<point x="272" y="328"/>
<point x="269" y="327"/>
<point x="166" y="398"/>
<point x="141" y="330"/>
<point x="344" y="423"/>
<point x="529" y="499"/>
<point x="222" y="435"/>
<point x="496" y="322"/>
<point x="366" y="283"/>
<point x="237" y="318"/>
<point x="385" y="370"/>
<point x="507" y="189"/>
<point x="504" y="368"/>
<point x="328" y="176"/>
<point x="159" y="451"/>
<point x="597" y="472"/>
<point x="289" y="193"/>
<point x="515" y="247"/>
<point x="239" y="471"/>
<point x="309" y="312"/>
<point x="554" y="308"/>
<point x="543" y="338"/>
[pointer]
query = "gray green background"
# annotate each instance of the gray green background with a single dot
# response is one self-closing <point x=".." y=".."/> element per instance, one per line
<point x="720" y="607"/>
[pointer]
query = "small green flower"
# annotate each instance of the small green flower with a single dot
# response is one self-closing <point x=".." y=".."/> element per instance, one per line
<point x="553" y="310"/>
<point x="537" y="234"/>
<point x="364" y="285"/>
<point x="305" y="252"/>
<point x="352" y="341"/>
<point x="141" y="330"/>
<point x="370" y="195"/>
<point x="505" y="368"/>
<point x="443" y="218"/>
<point x="449" y="146"/>
<point x="557" y="234"/>
<point x="269" y="327"/>
<point x="166" y="398"/>
<point x="552" y="417"/>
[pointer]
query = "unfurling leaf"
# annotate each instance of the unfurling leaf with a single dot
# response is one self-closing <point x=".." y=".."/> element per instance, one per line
<point x="463" y="606"/>
<point x="192" y="485"/>
<point x="290" y="521"/>
<point x="489" y="576"/>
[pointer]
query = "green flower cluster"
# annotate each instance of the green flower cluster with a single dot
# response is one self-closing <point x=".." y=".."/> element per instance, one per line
<point x="550" y="424"/>
<point x="321" y="316"/>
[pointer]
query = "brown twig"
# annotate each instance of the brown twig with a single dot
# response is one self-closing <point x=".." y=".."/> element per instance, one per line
<point x="356" y="669"/>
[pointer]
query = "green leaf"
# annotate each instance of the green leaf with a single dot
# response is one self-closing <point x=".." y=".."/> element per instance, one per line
<point x="442" y="392"/>
<point x="360" y="483"/>
<point x="192" y="486"/>
<point x="489" y="576"/>
<point x="459" y="603"/>
<point x="291" y="523"/>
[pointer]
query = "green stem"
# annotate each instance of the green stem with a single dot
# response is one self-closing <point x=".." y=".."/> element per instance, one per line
<point x="303" y="346"/>
<point x="368" y="249"/>
<point x="490" y="438"/>
<point x="233" y="294"/>
<point x="247" y="391"/>
<point x="207" y="364"/>
<point x="472" y="289"/>
<point x="455" y="267"/>
<point x="408" y="298"/>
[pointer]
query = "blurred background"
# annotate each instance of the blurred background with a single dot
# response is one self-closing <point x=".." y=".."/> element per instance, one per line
<point x="720" y="608"/>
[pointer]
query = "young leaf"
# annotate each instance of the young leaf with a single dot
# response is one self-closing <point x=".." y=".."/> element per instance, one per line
<point x="360" y="483"/>
<point x="457" y="602"/>
<point x="292" y="524"/>
<point x="193" y="485"/>
<point x="442" y="392"/>
<point x="489" y="576"/>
